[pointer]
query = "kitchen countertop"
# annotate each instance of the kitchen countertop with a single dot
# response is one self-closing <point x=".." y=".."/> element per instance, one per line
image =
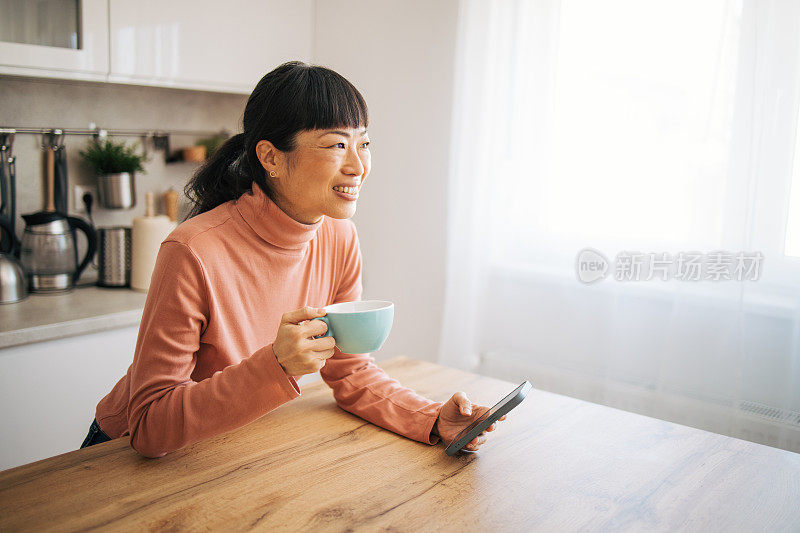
<point x="556" y="464"/>
<point x="86" y="309"/>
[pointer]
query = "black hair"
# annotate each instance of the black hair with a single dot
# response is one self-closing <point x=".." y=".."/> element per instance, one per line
<point x="293" y="97"/>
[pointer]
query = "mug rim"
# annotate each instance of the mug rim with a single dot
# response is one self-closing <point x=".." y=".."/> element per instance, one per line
<point x="387" y="306"/>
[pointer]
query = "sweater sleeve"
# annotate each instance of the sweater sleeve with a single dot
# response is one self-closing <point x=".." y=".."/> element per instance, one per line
<point x="361" y="387"/>
<point x="167" y="409"/>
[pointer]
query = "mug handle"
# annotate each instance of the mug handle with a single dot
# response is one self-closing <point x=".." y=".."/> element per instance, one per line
<point x="327" y="333"/>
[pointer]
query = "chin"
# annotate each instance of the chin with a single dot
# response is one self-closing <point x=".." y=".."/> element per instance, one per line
<point x="342" y="213"/>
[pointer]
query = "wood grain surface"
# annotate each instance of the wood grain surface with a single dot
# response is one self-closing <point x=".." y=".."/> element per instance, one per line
<point x="556" y="464"/>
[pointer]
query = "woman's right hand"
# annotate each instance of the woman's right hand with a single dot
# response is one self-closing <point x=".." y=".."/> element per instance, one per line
<point x="297" y="352"/>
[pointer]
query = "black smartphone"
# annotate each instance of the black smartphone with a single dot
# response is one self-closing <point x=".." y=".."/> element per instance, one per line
<point x="488" y="418"/>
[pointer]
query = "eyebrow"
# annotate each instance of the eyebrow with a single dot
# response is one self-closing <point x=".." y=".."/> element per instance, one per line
<point x="342" y="133"/>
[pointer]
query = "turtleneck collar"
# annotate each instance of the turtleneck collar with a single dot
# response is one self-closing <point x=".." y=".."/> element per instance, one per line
<point x="271" y="223"/>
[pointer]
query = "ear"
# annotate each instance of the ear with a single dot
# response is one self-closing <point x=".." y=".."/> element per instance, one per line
<point x="270" y="157"/>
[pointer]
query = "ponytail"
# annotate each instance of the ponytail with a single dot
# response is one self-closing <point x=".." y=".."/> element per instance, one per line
<point x="221" y="178"/>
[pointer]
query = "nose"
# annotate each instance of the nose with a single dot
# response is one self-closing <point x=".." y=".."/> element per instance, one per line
<point x="352" y="164"/>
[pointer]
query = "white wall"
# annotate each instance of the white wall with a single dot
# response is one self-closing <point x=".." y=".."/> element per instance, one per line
<point x="402" y="62"/>
<point x="400" y="56"/>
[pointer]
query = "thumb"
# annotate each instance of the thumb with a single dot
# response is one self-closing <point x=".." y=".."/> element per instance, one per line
<point x="464" y="403"/>
<point x="304" y="313"/>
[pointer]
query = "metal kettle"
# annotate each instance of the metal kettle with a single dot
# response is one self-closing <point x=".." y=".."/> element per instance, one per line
<point x="13" y="283"/>
<point x="48" y="250"/>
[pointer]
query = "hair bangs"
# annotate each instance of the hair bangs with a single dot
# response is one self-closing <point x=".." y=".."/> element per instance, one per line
<point x="330" y="101"/>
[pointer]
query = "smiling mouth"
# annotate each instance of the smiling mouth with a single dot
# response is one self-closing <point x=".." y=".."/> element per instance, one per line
<point x="353" y="191"/>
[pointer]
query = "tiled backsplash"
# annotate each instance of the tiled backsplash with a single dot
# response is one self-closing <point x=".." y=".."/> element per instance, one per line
<point x="32" y="102"/>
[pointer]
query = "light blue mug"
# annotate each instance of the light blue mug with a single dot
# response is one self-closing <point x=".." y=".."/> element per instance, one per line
<point x="359" y="327"/>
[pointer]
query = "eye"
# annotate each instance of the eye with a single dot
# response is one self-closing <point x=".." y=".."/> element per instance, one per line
<point x="342" y="145"/>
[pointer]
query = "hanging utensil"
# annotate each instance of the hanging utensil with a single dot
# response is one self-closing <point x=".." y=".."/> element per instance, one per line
<point x="61" y="183"/>
<point x="13" y="282"/>
<point x="8" y="194"/>
<point x="50" y="169"/>
<point x="60" y="186"/>
<point x="4" y="150"/>
<point x="50" y="142"/>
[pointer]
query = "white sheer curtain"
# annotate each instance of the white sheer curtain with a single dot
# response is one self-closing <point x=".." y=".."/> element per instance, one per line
<point x="630" y="126"/>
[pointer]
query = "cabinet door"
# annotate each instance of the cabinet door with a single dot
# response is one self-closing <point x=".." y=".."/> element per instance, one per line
<point x="49" y="391"/>
<point x="54" y="38"/>
<point x="220" y="46"/>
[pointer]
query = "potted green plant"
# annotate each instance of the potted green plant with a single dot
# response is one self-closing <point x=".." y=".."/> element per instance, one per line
<point x="115" y="164"/>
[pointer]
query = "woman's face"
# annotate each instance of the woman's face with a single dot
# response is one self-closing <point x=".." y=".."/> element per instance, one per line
<point x="306" y="177"/>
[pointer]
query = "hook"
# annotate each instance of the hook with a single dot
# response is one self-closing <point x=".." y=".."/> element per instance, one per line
<point x="161" y="141"/>
<point x="98" y="133"/>
<point x="7" y="140"/>
<point x="53" y="138"/>
<point x="144" y="138"/>
<point x="58" y="139"/>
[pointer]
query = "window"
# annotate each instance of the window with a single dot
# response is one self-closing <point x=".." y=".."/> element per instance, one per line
<point x="41" y="22"/>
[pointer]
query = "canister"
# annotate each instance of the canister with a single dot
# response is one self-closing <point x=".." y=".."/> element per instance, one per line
<point x="114" y="257"/>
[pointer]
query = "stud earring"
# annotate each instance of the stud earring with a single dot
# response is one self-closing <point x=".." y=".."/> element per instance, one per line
<point x="273" y="174"/>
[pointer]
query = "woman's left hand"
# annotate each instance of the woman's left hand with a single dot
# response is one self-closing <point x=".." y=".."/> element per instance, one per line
<point x="456" y="414"/>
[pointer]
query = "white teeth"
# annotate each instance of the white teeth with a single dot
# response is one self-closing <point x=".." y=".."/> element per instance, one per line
<point x="348" y="190"/>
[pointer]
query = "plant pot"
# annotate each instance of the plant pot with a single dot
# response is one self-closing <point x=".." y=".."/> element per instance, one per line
<point x="116" y="191"/>
<point x="194" y="153"/>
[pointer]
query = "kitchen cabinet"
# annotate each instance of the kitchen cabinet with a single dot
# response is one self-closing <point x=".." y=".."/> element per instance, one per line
<point x="213" y="46"/>
<point x="59" y="355"/>
<point x="66" y="39"/>
<point x="226" y="46"/>
<point x="49" y="391"/>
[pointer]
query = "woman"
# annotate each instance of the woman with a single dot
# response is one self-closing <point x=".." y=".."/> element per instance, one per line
<point x="226" y="327"/>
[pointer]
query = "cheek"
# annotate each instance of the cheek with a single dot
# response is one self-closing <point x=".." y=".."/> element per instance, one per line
<point x="328" y="159"/>
<point x="366" y="160"/>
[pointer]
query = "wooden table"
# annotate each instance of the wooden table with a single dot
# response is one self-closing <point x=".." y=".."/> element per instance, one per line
<point x="556" y="464"/>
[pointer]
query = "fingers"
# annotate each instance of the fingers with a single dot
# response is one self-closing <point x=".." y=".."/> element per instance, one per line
<point x="476" y="443"/>
<point x="322" y="348"/>
<point x="304" y="313"/>
<point x="320" y="345"/>
<point x="490" y="428"/>
<point x="324" y="354"/>
<point x="465" y="406"/>
<point x="313" y="328"/>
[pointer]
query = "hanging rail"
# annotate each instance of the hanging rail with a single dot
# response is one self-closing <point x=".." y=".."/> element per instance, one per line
<point x="100" y="132"/>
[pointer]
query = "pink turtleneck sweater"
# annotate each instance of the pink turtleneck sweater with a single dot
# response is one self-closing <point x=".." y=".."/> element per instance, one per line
<point x="204" y="363"/>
